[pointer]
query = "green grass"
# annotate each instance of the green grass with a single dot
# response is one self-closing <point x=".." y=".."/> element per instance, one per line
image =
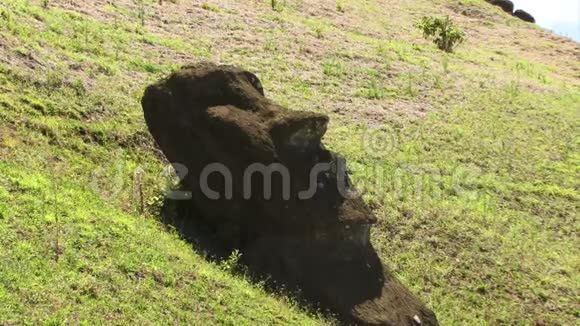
<point x="74" y="247"/>
<point x="470" y="160"/>
<point x="487" y="212"/>
<point x="70" y="257"/>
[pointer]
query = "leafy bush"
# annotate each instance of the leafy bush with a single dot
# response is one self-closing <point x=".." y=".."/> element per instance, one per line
<point x="232" y="264"/>
<point x="442" y="31"/>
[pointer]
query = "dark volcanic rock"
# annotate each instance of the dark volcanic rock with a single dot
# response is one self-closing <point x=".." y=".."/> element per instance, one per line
<point x="215" y="121"/>
<point x="523" y="15"/>
<point x="506" y="5"/>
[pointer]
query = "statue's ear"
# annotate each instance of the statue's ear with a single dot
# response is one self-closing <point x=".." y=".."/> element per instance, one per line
<point x="255" y="81"/>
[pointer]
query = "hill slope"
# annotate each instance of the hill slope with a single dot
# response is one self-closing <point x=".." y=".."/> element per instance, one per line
<point x="470" y="159"/>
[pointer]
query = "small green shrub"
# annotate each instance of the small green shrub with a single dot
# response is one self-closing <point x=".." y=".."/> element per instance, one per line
<point x="333" y="68"/>
<point x="232" y="264"/>
<point x="373" y="90"/>
<point x="141" y="12"/>
<point x="319" y="31"/>
<point x="445" y="64"/>
<point x="442" y="31"/>
<point x="209" y="7"/>
<point x="276" y="5"/>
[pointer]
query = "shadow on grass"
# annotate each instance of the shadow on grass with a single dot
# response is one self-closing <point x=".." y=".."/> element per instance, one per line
<point x="311" y="275"/>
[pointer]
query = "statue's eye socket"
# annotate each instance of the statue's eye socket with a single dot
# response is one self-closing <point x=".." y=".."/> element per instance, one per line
<point x="253" y="79"/>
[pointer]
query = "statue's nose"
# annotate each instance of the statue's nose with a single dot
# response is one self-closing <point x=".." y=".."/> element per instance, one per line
<point x="300" y="134"/>
<point x="307" y="135"/>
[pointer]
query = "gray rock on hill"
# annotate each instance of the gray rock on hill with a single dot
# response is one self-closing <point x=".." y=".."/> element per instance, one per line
<point x="525" y="16"/>
<point x="506" y="5"/>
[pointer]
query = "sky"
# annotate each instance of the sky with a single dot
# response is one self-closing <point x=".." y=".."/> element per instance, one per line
<point x="561" y="16"/>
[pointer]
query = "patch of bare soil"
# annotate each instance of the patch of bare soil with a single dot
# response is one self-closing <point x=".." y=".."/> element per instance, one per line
<point x="251" y="34"/>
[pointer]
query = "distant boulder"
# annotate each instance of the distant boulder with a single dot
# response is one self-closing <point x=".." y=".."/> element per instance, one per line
<point x="506" y="5"/>
<point x="523" y="15"/>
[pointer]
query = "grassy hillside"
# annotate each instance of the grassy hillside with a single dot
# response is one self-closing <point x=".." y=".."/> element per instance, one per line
<point x="470" y="160"/>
